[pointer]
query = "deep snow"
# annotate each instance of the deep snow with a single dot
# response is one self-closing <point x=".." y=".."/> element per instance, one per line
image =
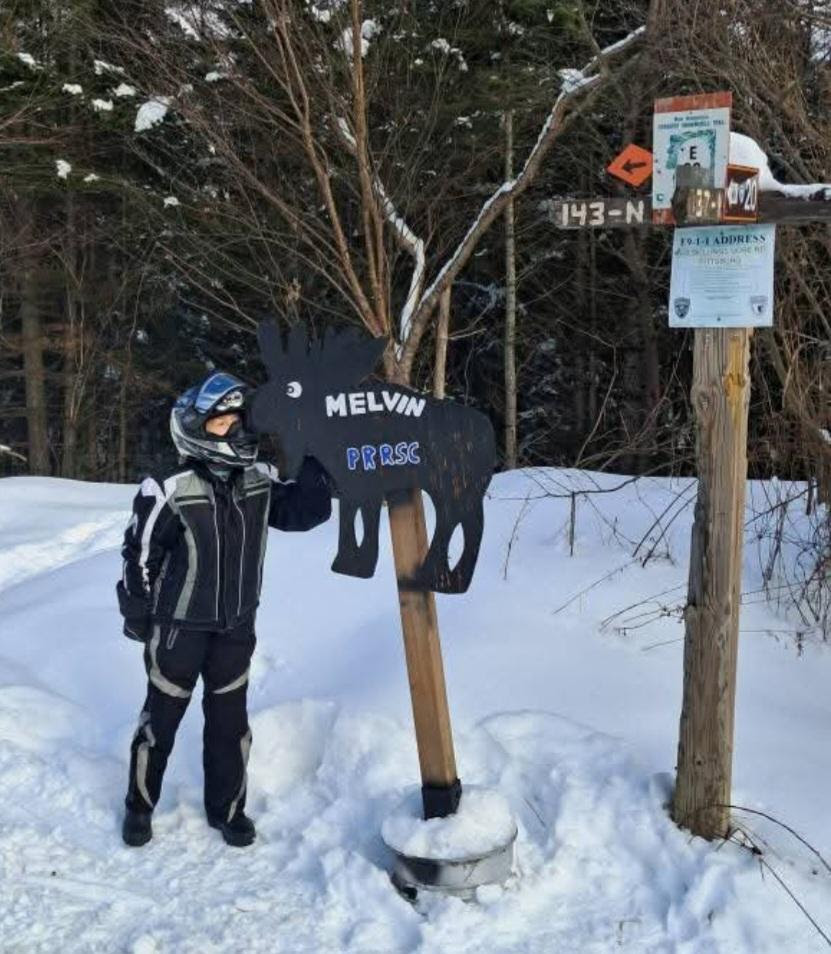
<point x="572" y="718"/>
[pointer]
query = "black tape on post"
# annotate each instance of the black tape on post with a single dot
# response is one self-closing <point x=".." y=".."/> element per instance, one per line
<point x="375" y="439"/>
<point x="439" y="801"/>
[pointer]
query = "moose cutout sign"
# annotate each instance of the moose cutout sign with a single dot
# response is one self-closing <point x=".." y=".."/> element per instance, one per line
<point x="376" y="439"/>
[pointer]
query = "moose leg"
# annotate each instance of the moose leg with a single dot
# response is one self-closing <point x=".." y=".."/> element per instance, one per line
<point x="352" y="559"/>
<point x="473" y="523"/>
<point x="436" y="572"/>
<point x="435" y="569"/>
<point x="347" y="554"/>
<point x="368" y="550"/>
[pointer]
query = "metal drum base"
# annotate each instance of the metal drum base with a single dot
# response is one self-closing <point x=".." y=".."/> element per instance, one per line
<point x="459" y="877"/>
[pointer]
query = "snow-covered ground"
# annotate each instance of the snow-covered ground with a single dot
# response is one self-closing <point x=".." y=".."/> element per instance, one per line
<point x="571" y="716"/>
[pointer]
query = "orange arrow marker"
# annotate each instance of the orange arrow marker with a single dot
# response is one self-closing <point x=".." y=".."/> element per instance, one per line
<point x="633" y="165"/>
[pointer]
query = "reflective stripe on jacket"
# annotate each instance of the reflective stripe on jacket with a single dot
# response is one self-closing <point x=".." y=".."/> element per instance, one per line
<point x="194" y="547"/>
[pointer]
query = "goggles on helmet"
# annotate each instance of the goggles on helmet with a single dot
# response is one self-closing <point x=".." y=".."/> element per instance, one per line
<point x="221" y="392"/>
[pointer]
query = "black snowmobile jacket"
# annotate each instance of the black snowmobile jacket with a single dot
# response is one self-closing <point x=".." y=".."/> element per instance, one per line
<point x="194" y="547"/>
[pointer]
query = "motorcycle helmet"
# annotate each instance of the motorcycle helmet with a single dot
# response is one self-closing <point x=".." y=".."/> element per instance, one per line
<point x="220" y="393"/>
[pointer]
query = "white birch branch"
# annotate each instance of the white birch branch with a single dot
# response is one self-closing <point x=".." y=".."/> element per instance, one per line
<point x="404" y="235"/>
<point x="4" y="449"/>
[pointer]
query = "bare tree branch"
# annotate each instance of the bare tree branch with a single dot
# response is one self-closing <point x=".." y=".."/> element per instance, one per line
<point x="575" y="87"/>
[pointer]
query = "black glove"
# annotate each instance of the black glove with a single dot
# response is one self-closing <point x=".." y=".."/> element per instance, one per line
<point x="136" y="613"/>
<point x="138" y="628"/>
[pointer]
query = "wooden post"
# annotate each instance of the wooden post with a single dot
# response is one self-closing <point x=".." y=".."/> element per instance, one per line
<point x="441" y="789"/>
<point x="720" y="398"/>
<point x="440" y="786"/>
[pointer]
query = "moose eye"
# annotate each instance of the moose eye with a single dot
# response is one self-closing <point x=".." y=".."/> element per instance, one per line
<point x="294" y="389"/>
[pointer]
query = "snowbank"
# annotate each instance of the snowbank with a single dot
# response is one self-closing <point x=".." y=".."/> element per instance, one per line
<point x="569" y="715"/>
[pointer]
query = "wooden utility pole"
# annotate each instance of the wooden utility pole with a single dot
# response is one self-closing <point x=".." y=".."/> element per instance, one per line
<point x="720" y="399"/>
<point x="441" y="788"/>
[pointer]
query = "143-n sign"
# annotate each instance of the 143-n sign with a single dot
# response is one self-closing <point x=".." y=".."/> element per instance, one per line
<point x="599" y="212"/>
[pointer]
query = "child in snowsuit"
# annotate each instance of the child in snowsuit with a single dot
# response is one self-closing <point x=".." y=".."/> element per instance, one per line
<point x="193" y="561"/>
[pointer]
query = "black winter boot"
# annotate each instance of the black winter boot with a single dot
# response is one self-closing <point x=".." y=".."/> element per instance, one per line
<point x="239" y="831"/>
<point x="136" y="829"/>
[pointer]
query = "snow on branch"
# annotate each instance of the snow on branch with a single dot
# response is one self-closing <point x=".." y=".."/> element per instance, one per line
<point x="409" y="241"/>
<point x="404" y="235"/>
<point x="151" y="113"/>
<point x="5" y="449"/>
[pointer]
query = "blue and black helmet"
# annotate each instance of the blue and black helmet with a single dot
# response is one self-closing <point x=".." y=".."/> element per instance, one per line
<point x="219" y="393"/>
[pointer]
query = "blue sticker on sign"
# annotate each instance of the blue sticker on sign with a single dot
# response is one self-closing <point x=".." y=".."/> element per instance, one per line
<point x="371" y="457"/>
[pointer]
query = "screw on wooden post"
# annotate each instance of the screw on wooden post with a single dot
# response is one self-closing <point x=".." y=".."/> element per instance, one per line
<point x="441" y="789"/>
<point x="720" y="398"/>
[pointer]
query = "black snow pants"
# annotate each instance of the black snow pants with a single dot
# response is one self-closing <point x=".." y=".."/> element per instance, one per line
<point x="174" y="659"/>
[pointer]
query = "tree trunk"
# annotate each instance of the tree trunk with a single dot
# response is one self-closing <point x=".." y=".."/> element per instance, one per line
<point x="71" y="350"/>
<point x="582" y="279"/>
<point x="122" y="428"/>
<point x="32" y="335"/>
<point x="594" y="364"/>
<point x="510" y="305"/>
<point x="70" y="384"/>
<point x="649" y="376"/>
<point x="124" y="393"/>
<point x="720" y="397"/>
<point x="440" y="367"/>
<point x="92" y="420"/>
<point x="646" y="395"/>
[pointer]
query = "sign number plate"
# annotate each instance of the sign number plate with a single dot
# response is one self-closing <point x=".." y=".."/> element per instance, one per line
<point x="598" y="213"/>
<point x="741" y="194"/>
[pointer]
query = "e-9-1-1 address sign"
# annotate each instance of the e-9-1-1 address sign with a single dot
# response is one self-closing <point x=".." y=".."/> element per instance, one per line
<point x="374" y="439"/>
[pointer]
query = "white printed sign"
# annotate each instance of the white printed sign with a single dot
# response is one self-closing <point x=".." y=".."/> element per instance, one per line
<point x="692" y="132"/>
<point x="722" y="277"/>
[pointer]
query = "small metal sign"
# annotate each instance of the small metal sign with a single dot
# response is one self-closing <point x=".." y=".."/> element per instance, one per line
<point x="722" y="277"/>
<point x="633" y="165"/>
<point x="691" y="140"/>
<point x="702" y="206"/>
<point x="741" y="194"/>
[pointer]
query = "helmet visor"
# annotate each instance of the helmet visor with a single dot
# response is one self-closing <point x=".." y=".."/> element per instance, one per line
<point x="221" y="392"/>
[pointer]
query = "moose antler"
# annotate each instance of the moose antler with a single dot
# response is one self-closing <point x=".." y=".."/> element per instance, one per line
<point x="271" y="348"/>
<point x="351" y="352"/>
<point x="297" y="347"/>
<point x="340" y="357"/>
